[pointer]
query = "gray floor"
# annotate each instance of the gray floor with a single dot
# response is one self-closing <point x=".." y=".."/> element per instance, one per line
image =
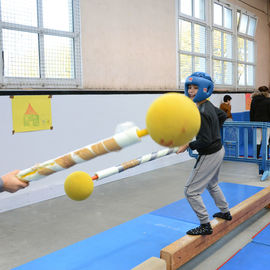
<point x="34" y="231"/>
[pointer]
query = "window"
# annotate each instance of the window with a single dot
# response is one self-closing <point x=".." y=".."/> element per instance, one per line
<point x="212" y="41"/>
<point x="222" y="45"/>
<point x="40" y="45"/>
<point x="192" y="38"/>
<point x="246" y="25"/>
<point x="222" y="16"/>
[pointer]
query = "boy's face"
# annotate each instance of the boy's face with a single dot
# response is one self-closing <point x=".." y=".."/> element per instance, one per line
<point x="192" y="90"/>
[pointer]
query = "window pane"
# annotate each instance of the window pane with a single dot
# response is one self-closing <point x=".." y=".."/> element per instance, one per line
<point x="199" y="38"/>
<point x="217" y="14"/>
<point x="217" y="43"/>
<point x="217" y="65"/>
<point x="241" y="74"/>
<point x="186" y="7"/>
<point x="185" y="66"/>
<point x="241" y="49"/>
<point x="185" y="35"/>
<point x="251" y="26"/>
<point x="243" y="23"/>
<point x="228" y="73"/>
<point x="19" y="11"/>
<point x="21" y="58"/>
<point x="250" y="75"/>
<point x="250" y="51"/>
<point x="199" y="9"/>
<point x="59" y="59"/>
<point x="238" y="18"/>
<point x="54" y="19"/>
<point x="228" y="18"/>
<point x="228" y="44"/>
<point x="200" y="64"/>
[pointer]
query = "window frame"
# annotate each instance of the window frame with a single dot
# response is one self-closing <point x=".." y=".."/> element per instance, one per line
<point x="42" y="82"/>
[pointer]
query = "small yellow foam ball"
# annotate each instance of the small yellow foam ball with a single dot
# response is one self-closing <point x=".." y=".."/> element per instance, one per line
<point x="79" y="186"/>
<point x="173" y="120"/>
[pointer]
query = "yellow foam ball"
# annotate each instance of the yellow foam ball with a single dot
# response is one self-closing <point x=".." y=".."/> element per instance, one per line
<point x="79" y="186"/>
<point x="173" y="120"/>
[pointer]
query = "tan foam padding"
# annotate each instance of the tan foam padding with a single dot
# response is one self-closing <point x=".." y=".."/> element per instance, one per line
<point x="85" y="154"/>
<point x="187" y="247"/>
<point x="130" y="164"/>
<point x="111" y="144"/>
<point x="65" y="161"/>
<point x="153" y="263"/>
<point x="45" y="171"/>
<point x="99" y="149"/>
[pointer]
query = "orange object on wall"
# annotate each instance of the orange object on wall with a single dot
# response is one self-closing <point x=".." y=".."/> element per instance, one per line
<point x="248" y="101"/>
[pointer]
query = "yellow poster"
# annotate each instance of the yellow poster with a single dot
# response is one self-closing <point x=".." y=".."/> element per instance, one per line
<point x="31" y="113"/>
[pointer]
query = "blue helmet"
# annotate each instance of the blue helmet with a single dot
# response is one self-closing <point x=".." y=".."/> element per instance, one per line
<point x="204" y="83"/>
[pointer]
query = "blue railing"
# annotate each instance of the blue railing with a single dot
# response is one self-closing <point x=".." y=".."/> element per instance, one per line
<point x="239" y="140"/>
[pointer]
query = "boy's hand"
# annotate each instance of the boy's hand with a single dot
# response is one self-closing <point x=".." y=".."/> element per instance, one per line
<point x="182" y="149"/>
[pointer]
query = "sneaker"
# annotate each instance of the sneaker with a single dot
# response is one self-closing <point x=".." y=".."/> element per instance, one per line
<point x="203" y="229"/>
<point x="226" y="216"/>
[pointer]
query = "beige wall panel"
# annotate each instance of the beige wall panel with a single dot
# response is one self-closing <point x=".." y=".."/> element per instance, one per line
<point x="128" y="44"/>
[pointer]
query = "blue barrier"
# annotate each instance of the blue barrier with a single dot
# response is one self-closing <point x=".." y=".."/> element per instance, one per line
<point x="241" y="116"/>
<point x="239" y="140"/>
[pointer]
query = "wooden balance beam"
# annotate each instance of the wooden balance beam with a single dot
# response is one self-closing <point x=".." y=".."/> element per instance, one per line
<point x="187" y="247"/>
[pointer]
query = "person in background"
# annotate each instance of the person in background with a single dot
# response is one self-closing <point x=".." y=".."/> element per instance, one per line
<point x="226" y="107"/>
<point x="199" y="87"/>
<point x="10" y="183"/>
<point x="260" y="112"/>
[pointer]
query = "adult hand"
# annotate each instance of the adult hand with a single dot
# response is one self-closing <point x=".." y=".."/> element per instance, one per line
<point x="13" y="183"/>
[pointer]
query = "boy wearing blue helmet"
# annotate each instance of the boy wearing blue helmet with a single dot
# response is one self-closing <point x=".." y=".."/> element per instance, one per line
<point x="199" y="86"/>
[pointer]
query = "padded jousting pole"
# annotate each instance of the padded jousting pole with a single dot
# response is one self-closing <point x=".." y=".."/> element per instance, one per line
<point x="133" y="163"/>
<point x="115" y="143"/>
<point x="79" y="185"/>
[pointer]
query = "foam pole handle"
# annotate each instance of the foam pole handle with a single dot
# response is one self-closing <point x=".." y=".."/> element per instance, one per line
<point x="132" y="163"/>
<point x="115" y="143"/>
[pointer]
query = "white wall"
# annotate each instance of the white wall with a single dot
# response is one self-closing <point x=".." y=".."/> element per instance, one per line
<point x="238" y="101"/>
<point x="78" y="120"/>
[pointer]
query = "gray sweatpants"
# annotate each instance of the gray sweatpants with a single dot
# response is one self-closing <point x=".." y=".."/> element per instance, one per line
<point x="205" y="175"/>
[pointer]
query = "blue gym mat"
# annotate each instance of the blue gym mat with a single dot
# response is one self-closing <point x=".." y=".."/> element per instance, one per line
<point x="121" y="248"/>
<point x="263" y="237"/>
<point x="131" y="243"/>
<point x="253" y="256"/>
<point x="181" y="210"/>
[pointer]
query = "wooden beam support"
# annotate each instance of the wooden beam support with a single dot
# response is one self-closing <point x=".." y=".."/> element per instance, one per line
<point x="152" y="263"/>
<point x="187" y="247"/>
